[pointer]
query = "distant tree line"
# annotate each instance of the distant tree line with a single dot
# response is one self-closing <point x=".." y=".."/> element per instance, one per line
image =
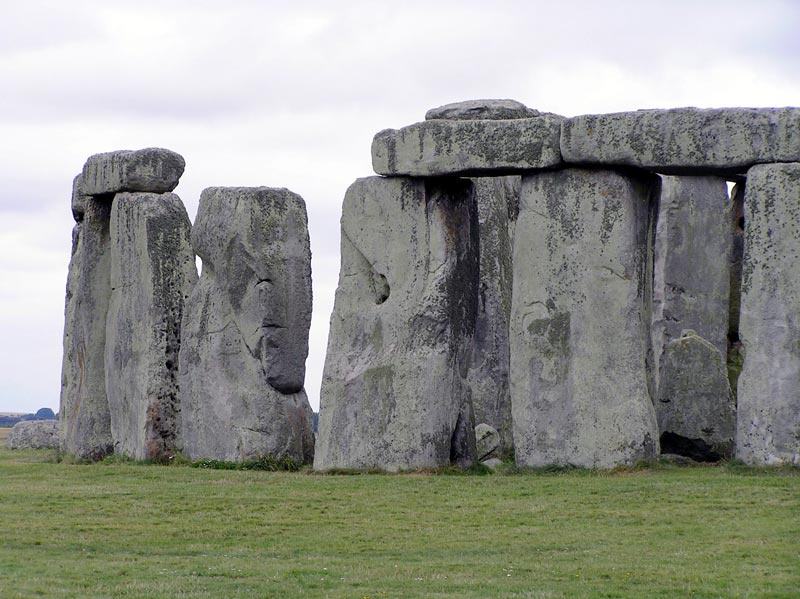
<point x="43" y="414"/>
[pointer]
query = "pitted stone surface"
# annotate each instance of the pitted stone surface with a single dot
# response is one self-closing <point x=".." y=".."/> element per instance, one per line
<point x="684" y="140"/>
<point x="695" y="403"/>
<point x="152" y="273"/>
<point x="84" y="413"/>
<point x="34" y="434"/>
<point x="245" y="328"/>
<point x="482" y="109"/>
<point x="468" y="147"/>
<point x="580" y="320"/>
<point x="768" y="419"/>
<point x="154" y="170"/>
<point x="394" y="394"/>
<point x="691" y="288"/>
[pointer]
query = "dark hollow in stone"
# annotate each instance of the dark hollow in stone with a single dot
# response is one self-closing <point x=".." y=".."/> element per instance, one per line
<point x="696" y="449"/>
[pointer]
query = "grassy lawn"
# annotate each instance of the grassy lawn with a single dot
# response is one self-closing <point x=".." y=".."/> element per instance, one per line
<point x="129" y="530"/>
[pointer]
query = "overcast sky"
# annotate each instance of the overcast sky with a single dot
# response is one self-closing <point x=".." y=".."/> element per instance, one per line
<point x="289" y="94"/>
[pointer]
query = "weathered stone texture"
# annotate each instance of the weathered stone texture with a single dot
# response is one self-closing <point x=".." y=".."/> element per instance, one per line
<point x="695" y="408"/>
<point x="684" y="140"/>
<point x="691" y="286"/>
<point x="487" y="442"/>
<point x="84" y="412"/>
<point x="468" y="147"/>
<point x="471" y="110"/>
<point x="768" y="419"/>
<point x="153" y="169"/>
<point x="393" y="390"/>
<point x="34" y="434"/>
<point x="497" y="201"/>
<point x="152" y="273"/>
<point x="580" y="320"/>
<point x="245" y="328"/>
<point x="79" y="199"/>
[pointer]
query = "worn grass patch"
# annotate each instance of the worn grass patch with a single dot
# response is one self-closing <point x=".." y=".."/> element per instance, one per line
<point x="129" y="530"/>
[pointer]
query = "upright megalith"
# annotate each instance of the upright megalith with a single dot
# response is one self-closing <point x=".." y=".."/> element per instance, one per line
<point x="152" y="274"/>
<point x="245" y="328"/>
<point x="394" y="393"/>
<point x="84" y="413"/>
<point x="684" y="140"/>
<point x="580" y="319"/>
<point x="155" y="170"/>
<point x="768" y="418"/>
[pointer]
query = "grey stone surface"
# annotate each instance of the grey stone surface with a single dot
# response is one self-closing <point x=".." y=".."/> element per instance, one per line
<point x="152" y="273"/>
<point x="79" y="199"/>
<point x="34" y="434"/>
<point x="245" y="328"/>
<point x="695" y="408"/>
<point x="580" y="320"/>
<point x="492" y="463"/>
<point x="155" y="170"/>
<point x="684" y="140"/>
<point x="468" y="147"/>
<point x="487" y="441"/>
<point x="84" y="412"/>
<point x="497" y="201"/>
<point x="691" y="288"/>
<point x="483" y="110"/>
<point x="394" y="394"/>
<point x="768" y="419"/>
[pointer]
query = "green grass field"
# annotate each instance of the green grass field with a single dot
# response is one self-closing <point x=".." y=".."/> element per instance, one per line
<point x="131" y="530"/>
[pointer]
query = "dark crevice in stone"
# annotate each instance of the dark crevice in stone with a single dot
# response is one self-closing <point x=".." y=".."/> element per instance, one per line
<point x="696" y="449"/>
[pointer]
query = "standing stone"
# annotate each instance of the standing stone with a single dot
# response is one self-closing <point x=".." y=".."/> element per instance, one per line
<point x="84" y="411"/>
<point x="497" y="201"/>
<point x="695" y="409"/>
<point x="580" y="320"/>
<point x="152" y="273"/>
<point x="153" y="169"/>
<point x="684" y="140"/>
<point x="768" y="420"/>
<point x="394" y="394"/>
<point x="245" y="328"/>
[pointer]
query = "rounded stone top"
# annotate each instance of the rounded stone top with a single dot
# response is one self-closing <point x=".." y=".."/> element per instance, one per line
<point x="495" y="110"/>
